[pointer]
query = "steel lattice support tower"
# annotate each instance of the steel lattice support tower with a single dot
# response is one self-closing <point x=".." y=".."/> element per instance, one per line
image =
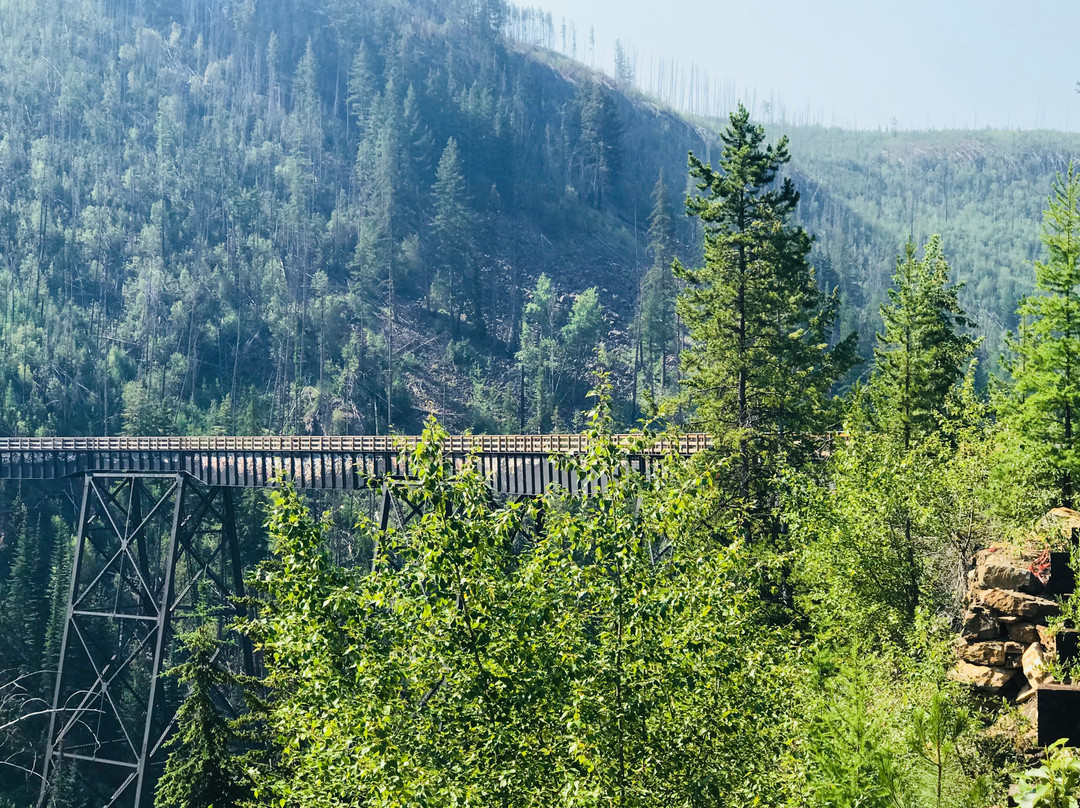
<point x="152" y="552"/>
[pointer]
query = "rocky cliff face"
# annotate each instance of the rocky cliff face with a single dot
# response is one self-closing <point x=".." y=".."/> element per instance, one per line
<point x="1004" y="644"/>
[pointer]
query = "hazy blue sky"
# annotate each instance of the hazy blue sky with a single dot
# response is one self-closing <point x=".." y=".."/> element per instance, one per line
<point x="950" y="63"/>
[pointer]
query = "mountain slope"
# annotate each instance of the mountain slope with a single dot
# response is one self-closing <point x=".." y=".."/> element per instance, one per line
<point x="865" y="193"/>
<point x="298" y="216"/>
<point x="223" y="217"/>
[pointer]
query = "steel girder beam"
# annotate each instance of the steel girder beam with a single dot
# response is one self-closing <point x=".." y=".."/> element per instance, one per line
<point x="151" y="551"/>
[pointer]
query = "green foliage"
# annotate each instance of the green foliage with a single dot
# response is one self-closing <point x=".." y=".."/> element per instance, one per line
<point x="557" y="354"/>
<point x="887" y="530"/>
<point x="1054" y="784"/>
<point x="590" y="652"/>
<point x="884" y="728"/>
<point x="596" y="158"/>
<point x="203" y="769"/>
<point x="935" y="733"/>
<point x="852" y="763"/>
<point x="760" y="366"/>
<point x="868" y="537"/>
<point x="1044" y="403"/>
<point x="921" y="354"/>
<point x="454" y="286"/>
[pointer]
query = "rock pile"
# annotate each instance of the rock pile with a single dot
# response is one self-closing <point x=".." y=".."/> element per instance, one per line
<point x="1004" y="645"/>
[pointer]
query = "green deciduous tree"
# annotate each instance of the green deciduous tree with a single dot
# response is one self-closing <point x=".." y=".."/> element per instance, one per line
<point x="1045" y="353"/>
<point x="539" y="344"/>
<point x="600" y="655"/>
<point x="558" y="347"/>
<point x="920" y="356"/>
<point x="760" y="365"/>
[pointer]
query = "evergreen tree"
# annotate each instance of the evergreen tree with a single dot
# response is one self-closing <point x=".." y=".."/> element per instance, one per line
<point x="657" y="329"/>
<point x="361" y="87"/>
<point x="203" y="769"/>
<point x="59" y="581"/>
<point x="1045" y="362"/>
<point x="25" y="598"/>
<point x="760" y="366"/>
<point x="452" y="234"/>
<point x="598" y="149"/>
<point x="921" y="354"/>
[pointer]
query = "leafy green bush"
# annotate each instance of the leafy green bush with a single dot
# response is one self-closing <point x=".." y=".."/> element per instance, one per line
<point x="602" y="650"/>
<point x="1054" y="784"/>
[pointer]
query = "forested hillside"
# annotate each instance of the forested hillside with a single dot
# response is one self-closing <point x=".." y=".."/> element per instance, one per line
<point x="329" y="218"/>
<point x="304" y="218"/>
<point x="865" y="193"/>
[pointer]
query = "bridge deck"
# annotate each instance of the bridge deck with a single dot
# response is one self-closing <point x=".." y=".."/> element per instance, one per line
<point x="514" y="464"/>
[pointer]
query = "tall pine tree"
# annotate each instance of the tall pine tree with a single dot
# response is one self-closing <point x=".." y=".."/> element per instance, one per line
<point x="657" y="325"/>
<point x="455" y="284"/>
<point x="760" y="365"/>
<point x="1045" y="361"/>
<point x="922" y="352"/>
<point x="919" y="359"/>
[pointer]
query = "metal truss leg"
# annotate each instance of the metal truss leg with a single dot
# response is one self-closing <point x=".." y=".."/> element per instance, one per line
<point x="164" y="609"/>
<point x="76" y="568"/>
<point x="152" y="551"/>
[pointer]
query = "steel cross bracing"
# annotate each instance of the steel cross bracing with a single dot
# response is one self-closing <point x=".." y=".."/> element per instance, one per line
<point x="151" y="550"/>
<point x="156" y="546"/>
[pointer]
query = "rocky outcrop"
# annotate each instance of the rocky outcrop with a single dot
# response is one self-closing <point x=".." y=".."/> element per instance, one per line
<point x="1015" y="604"/>
<point x="984" y="677"/>
<point x="999" y="572"/>
<point x="992" y="652"/>
<point x="1002" y="648"/>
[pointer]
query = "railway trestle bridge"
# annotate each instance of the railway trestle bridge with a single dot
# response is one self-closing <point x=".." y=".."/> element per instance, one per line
<point x="156" y="541"/>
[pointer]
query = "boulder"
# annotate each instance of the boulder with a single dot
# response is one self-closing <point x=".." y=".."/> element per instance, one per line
<point x="983" y="677"/>
<point x="1034" y="664"/>
<point x="996" y="571"/>
<point x="1016" y="604"/>
<point x="979" y="625"/>
<point x="992" y="652"/>
<point x="1020" y="631"/>
<point x="1046" y="637"/>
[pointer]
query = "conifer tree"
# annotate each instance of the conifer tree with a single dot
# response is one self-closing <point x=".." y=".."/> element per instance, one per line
<point x="59" y="581"/>
<point x="657" y="327"/>
<point x="361" y="87"/>
<point x="1045" y="362"/>
<point x="25" y="597"/>
<point x="203" y="769"/>
<point x="452" y="232"/>
<point x="598" y="149"/>
<point x="922" y="352"/>
<point x="760" y="366"/>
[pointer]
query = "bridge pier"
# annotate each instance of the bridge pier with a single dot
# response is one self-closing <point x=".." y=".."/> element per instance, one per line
<point x="151" y="550"/>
